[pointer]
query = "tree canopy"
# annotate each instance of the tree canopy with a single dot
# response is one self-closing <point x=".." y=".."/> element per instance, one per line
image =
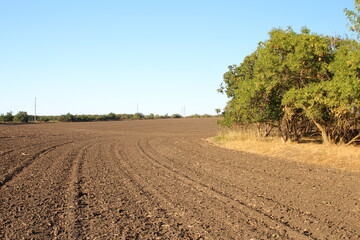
<point x="296" y="80"/>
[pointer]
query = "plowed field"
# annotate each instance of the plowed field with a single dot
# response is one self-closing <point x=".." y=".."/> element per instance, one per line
<point x="158" y="179"/>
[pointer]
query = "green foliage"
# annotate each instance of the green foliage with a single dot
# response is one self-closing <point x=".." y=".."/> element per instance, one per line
<point x="297" y="79"/>
<point x="86" y="118"/>
<point x="286" y="60"/>
<point x="176" y="115"/>
<point x="67" y="118"/>
<point x="22" y="117"/>
<point x="112" y="116"/>
<point x="150" y="116"/>
<point x="139" y="116"/>
<point x="354" y="18"/>
<point x="199" y="116"/>
<point x="44" y="119"/>
<point x="7" y="118"/>
<point x="194" y="116"/>
<point x="333" y="105"/>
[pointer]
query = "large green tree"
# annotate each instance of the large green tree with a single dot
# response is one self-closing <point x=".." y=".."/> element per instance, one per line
<point x="22" y="117"/>
<point x="287" y="60"/>
<point x="334" y="105"/>
<point x="298" y="81"/>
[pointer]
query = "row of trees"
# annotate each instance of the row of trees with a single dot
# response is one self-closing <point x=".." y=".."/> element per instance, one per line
<point x="111" y="116"/>
<point x="23" y="117"/>
<point x="299" y="83"/>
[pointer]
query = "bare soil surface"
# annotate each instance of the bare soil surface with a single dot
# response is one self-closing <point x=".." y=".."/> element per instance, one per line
<point x="161" y="180"/>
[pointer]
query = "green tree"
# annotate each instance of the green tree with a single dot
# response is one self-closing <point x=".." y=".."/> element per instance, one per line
<point x="67" y="118"/>
<point x="112" y="116"/>
<point x="176" y="115"/>
<point x="22" y="117"/>
<point x="44" y="119"/>
<point x="150" y="116"/>
<point x="138" y="116"/>
<point x="334" y="105"/>
<point x="8" y="117"/>
<point x="256" y="87"/>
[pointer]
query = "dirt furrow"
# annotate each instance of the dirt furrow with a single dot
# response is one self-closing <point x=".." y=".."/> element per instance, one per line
<point x="18" y="169"/>
<point x="73" y="226"/>
<point x="296" y="218"/>
<point x="119" y="208"/>
<point x="32" y="203"/>
<point x="262" y="218"/>
<point x="187" y="228"/>
<point x="280" y="212"/>
<point x="159" y="180"/>
<point x="28" y="145"/>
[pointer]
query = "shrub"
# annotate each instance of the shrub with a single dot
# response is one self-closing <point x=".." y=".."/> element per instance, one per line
<point x="8" y="117"/>
<point x="67" y="118"/>
<point x="150" y="116"/>
<point x="176" y="115"/>
<point x="139" y="116"/>
<point x="44" y="119"/>
<point x="112" y="116"/>
<point x="22" y="117"/>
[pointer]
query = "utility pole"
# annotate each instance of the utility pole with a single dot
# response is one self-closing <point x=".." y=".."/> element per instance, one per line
<point x="137" y="108"/>
<point x="35" y="111"/>
<point x="183" y="111"/>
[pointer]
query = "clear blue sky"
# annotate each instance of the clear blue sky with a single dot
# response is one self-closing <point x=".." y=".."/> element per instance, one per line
<point x="96" y="57"/>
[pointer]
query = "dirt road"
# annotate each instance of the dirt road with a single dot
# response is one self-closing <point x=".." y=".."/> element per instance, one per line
<point x="158" y="179"/>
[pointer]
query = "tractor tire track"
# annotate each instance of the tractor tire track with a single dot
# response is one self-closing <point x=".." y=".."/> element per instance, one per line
<point x="266" y="219"/>
<point x="159" y="180"/>
<point x="18" y="169"/>
<point x="167" y="208"/>
<point x="74" y="227"/>
<point x="278" y="209"/>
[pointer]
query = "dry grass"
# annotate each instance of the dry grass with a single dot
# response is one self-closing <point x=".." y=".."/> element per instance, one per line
<point x="249" y="140"/>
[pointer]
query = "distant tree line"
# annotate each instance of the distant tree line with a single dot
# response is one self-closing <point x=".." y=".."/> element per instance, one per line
<point x="299" y="83"/>
<point x="23" y="117"/>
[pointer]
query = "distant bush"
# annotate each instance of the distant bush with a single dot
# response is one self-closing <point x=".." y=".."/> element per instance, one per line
<point x="44" y="119"/>
<point x="194" y="116"/>
<point x="126" y="116"/>
<point x="22" y="117"/>
<point x="112" y="116"/>
<point x="150" y="116"/>
<point x="200" y="116"/>
<point x="176" y="115"/>
<point x="7" y="118"/>
<point x="138" y="116"/>
<point x="84" y="118"/>
<point x="67" y="118"/>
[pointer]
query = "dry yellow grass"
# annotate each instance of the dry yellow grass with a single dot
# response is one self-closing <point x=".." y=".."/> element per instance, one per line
<point x="340" y="157"/>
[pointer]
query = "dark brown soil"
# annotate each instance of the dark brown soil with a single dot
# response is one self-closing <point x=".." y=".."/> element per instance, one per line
<point x="160" y="180"/>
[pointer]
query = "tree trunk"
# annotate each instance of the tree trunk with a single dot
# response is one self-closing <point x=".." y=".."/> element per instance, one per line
<point x="324" y="135"/>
